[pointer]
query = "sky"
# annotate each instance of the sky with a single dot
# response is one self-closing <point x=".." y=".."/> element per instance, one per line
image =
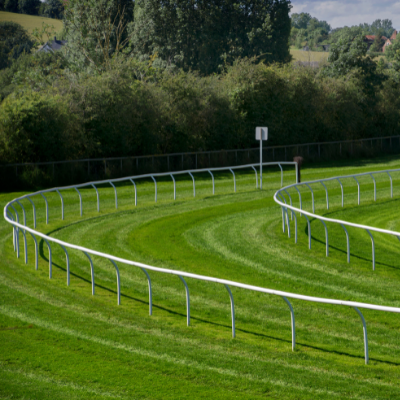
<point x="340" y="13"/>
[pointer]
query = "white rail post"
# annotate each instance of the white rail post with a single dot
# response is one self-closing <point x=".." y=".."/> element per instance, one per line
<point x="341" y="186"/>
<point x="118" y="282"/>
<point x="292" y="322"/>
<point x="213" y="183"/>
<point x="298" y="191"/>
<point x="16" y="241"/>
<point x="150" y="292"/>
<point x="312" y="197"/>
<point x="234" y="179"/>
<point x="374" y="186"/>
<point x="36" y="252"/>
<point x="358" y="184"/>
<point x="326" y="238"/>
<point x="62" y="205"/>
<point x="67" y="261"/>
<point x="290" y="200"/>
<point x="98" y="198"/>
<point x="373" y="249"/>
<point x="187" y="301"/>
<point x="283" y="213"/>
<point x="309" y="231"/>
<point x="232" y="310"/>
<point x="327" y="195"/>
<point x="194" y="185"/>
<point x="173" y="179"/>
<point x="295" y="227"/>
<point x="155" y="187"/>
<point x="34" y="211"/>
<point x="47" y="208"/>
<point x="50" y="259"/>
<point x="23" y="211"/>
<point x="296" y="166"/>
<point x="256" y="177"/>
<point x="91" y="271"/>
<point x="288" y="222"/>
<point x="348" y="242"/>
<point x="13" y="227"/>
<point x="279" y="165"/>
<point x="25" y="247"/>
<point x="80" y="200"/>
<point x="365" y="335"/>
<point x="391" y="185"/>
<point x="134" y="184"/>
<point x="116" y="196"/>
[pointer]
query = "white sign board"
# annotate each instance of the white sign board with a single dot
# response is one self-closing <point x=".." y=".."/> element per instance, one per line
<point x="261" y="133"/>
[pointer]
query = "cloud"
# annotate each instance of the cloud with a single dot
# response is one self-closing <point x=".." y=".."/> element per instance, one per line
<point x="350" y="12"/>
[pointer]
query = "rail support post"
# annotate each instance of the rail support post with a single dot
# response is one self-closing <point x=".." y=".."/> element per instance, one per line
<point x="309" y="231"/>
<point x="234" y="180"/>
<point x="116" y="196"/>
<point x="173" y="179"/>
<point x="134" y="184"/>
<point x="98" y="197"/>
<point x="155" y="187"/>
<point x="256" y="176"/>
<point x="187" y="301"/>
<point x="34" y="211"/>
<point x="373" y="249"/>
<point x="118" y="282"/>
<point x="194" y="184"/>
<point x="50" y="259"/>
<point x="365" y="335"/>
<point x="47" y="208"/>
<point x="292" y="322"/>
<point x="150" y="292"/>
<point x="80" y="201"/>
<point x="62" y="204"/>
<point x="348" y="242"/>
<point x="232" y="310"/>
<point x="213" y="182"/>
<point x="91" y="271"/>
<point x="67" y="261"/>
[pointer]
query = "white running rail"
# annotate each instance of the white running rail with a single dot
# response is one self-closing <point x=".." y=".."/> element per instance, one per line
<point x="23" y="228"/>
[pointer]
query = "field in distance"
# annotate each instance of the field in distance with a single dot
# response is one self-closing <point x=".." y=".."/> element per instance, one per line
<point x="60" y="342"/>
<point x="309" y="56"/>
<point x="30" y="22"/>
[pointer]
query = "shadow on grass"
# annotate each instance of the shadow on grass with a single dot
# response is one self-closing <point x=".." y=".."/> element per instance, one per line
<point x="249" y="332"/>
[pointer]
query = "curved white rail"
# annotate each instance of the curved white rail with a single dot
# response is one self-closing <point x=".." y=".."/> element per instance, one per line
<point x="17" y="227"/>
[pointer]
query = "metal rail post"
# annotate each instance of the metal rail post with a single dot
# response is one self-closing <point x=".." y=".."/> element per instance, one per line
<point x="348" y="243"/>
<point x="16" y="240"/>
<point x="327" y="195"/>
<point x="279" y="165"/>
<point x="80" y="201"/>
<point x="98" y="198"/>
<point x="116" y="195"/>
<point x="118" y="282"/>
<point x="312" y="198"/>
<point x="373" y="249"/>
<point x="187" y="301"/>
<point x="309" y="231"/>
<point x="134" y="184"/>
<point x="47" y="208"/>
<point x="173" y="179"/>
<point x="23" y="211"/>
<point x="50" y="259"/>
<point x="194" y="185"/>
<point x="256" y="177"/>
<point x="292" y="322"/>
<point x="234" y="180"/>
<point x="290" y="200"/>
<point x="358" y="184"/>
<point x="298" y="191"/>
<point x="391" y="185"/>
<point x="150" y="292"/>
<point x="232" y="310"/>
<point x="155" y="183"/>
<point x="91" y="271"/>
<point x="341" y="187"/>
<point x="67" y="261"/>
<point x="365" y="335"/>
<point x="25" y="247"/>
<point x="62" y="205"/>
<point x="374" y="186"/>
<point x="213" y="183"/>
<point x="326" y="238"/>
<point x="36" y="251"/>
<point x="34" y="211"/>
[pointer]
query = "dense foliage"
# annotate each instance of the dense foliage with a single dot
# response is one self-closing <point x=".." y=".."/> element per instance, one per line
<point x="203" y="35"/>
<point x="14" y="41"/>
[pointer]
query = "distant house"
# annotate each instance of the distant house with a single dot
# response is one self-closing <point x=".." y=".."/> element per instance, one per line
<point x="389" y="41"/>
<point x="53" y="46"/>
<point x="369" y="39"/>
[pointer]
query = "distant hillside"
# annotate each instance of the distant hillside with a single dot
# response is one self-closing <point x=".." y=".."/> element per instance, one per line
<point x="30" y="22"/>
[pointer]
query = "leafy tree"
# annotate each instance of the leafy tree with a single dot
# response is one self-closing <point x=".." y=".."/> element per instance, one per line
<point x="30" y="7"/>
<point x="2" y="5"/>
<point x="96" y="31"/>
<point x="382" y="27"/>
<point x="301" y="21"/>
<point x="201" y="35"/>
<point x="393" y="56"/>
<point x="14" y="41"/>
<point x="11" y="6"/>
<point x="350" y="56"/>
<point x="52" y="9"/>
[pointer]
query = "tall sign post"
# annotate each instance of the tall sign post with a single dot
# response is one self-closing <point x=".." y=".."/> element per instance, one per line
<point x="261" y="134"/>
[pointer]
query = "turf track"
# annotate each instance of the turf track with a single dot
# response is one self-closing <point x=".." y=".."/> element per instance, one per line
<point x="61" y="342"/>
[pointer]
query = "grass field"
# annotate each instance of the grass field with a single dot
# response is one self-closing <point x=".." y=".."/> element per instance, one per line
<point x="309" y="56"/>
<point x="62" y="342"/>
<point x="30" y="22"/>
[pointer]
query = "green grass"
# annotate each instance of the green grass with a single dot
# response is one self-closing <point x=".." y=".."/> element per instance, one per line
<point x="61" y="342"/>
<point x="30" y="22"/>
<point x="309" y="56"/>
